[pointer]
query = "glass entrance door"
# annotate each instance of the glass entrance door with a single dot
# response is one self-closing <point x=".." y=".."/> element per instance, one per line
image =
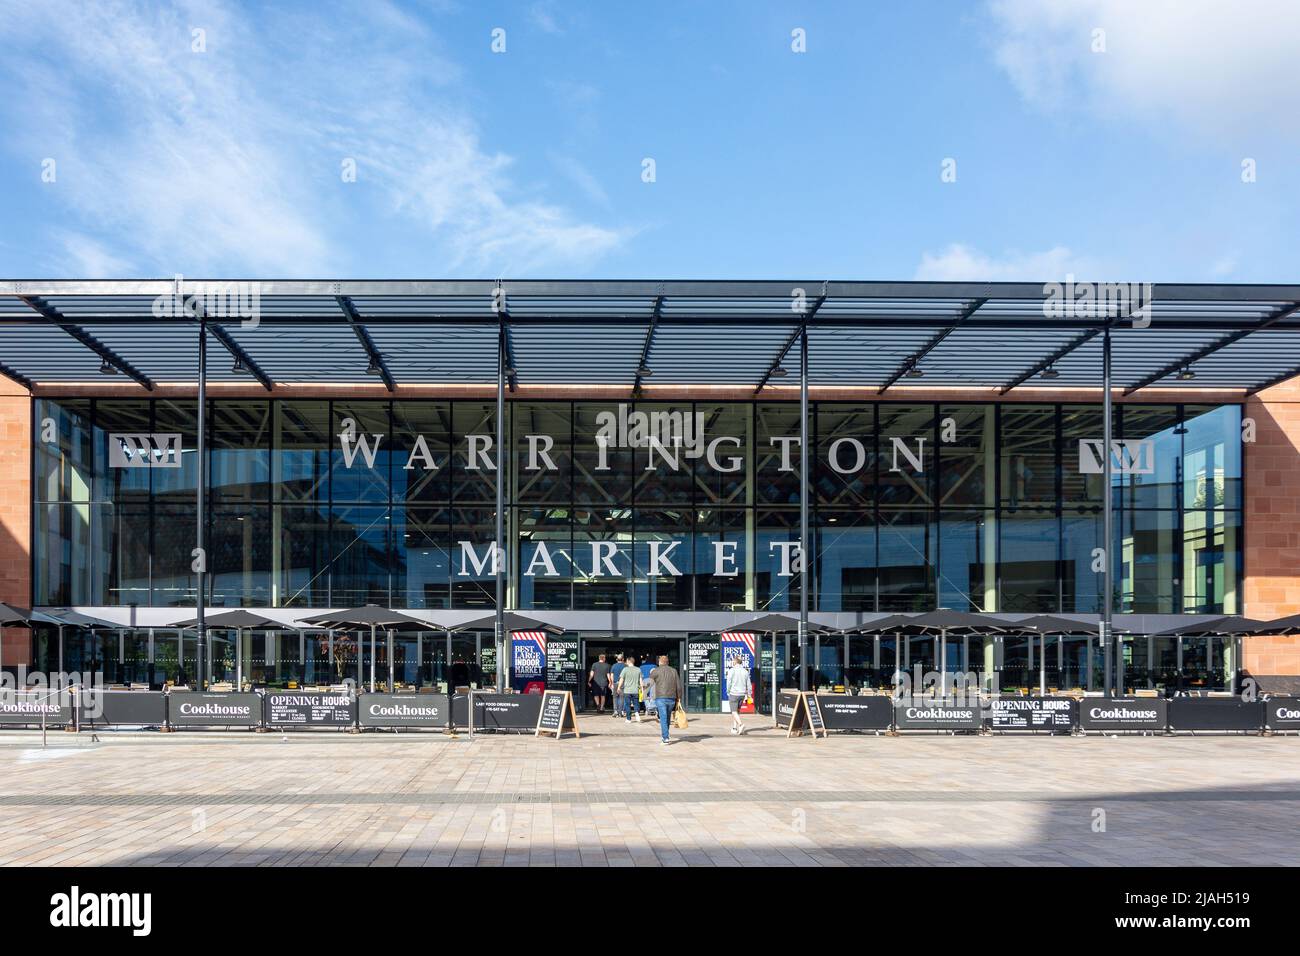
<point x="644" y="650"/>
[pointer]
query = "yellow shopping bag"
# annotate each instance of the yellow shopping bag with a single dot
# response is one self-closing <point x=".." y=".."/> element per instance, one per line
<point x="679" y="717"/>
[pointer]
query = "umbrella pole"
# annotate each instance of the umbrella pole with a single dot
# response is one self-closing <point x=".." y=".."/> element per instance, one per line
<point x="898" y="661"/>
<point x="1042" y="665"/>
<point x="943" y="662"/>
<point x="775" y="720"/>
<point x="1235" y="670"/>
<point x="372" y="658"/>
<point x="361" y="678"/>
<point x="239" y="659"/>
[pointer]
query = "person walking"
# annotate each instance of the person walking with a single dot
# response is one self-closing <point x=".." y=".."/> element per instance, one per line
<point x="615" y="673"/>
<point x="739" y="688"/>
<point x="647" y="688"/>
<point x="629" y="684"/>
<point x="599" y="678"/>
<point x="668" y="690"/>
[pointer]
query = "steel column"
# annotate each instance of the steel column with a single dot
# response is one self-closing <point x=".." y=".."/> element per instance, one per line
<point x="805" y="565"/>
<point x="1107" y="522"/>
<point x="498" y="558"/>
<point x="201" y="646"/>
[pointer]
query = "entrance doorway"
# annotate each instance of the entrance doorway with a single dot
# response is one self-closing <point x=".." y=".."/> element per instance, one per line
<point x="643" y="649"/>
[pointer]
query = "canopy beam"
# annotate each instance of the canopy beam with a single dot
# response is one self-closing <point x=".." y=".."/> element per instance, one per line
<point x="1285" y="312"/>
<point x="911" y="361"/>
<point x="367" y="343"/>
<point x="54" y="317"/>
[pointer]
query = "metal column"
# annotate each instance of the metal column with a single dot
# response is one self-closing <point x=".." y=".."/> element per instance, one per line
<point x="1107" y="638"/>
<point x="201" y="647"/>
<point x="498" y="558"/>
<point x="805" y="566"/>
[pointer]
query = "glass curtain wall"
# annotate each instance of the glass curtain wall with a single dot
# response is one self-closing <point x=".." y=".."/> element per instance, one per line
<point x="639" y="506"/>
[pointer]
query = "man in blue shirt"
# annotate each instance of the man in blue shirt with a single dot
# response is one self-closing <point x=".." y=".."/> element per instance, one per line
<point x="618" y="691"/>
<point x="647" y="688"/>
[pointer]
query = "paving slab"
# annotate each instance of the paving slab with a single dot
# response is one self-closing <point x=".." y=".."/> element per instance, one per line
<point x="616" y="797"/>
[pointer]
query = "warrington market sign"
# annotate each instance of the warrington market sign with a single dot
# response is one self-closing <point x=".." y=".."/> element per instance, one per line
<point x="671" y="438"/>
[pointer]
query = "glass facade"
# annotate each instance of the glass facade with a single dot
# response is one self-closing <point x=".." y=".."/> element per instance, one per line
<point x="638" y="506"/>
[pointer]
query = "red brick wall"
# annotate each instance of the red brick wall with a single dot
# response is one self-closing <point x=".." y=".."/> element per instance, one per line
<point x="15" y="513"/>
<point x="1272" y="520"/>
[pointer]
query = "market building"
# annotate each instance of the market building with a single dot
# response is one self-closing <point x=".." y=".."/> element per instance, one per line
<point x="658" y="476"/>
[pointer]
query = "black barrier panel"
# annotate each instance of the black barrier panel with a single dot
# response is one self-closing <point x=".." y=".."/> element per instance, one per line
<point x="403" y="710"/>
<point x="296" y="708"/>
<point x="1282" y="713"/>
<point x="1215" y="713"/>
<point x="842" y="712"/>
<point x="786" y="702"/>
<point x="1124" y="713"/>
<point x="25" y="707"/>
<point x="122" y="707"/>
<point x="931" y="715"/>
<point x="1059" y="714"/>
<point x="499" y="711"/>
<point x="192" y="709"/>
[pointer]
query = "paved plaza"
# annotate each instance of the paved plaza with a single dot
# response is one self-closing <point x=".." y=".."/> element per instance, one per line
<point x="618" y="798"/>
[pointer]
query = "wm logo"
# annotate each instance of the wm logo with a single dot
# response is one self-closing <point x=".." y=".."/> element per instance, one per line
<point x="1135" y="457"/>
<point x="145" y="450"/>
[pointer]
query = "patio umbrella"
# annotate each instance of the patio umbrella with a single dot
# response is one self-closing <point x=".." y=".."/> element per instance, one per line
<point x="943" y="622"/>
<point x="10" y="615"/>
<point x="1283" y="626"/>
<point x="510" y="622"/>
<point x="1232" y="625"/>
<point x="891" y="624"/>
<point x="371" y="616"/>
<point x="66" y="617"/>
<point x="237" y="620"/>
<point x="1045" y="624"/>
<point x="773" y="624"/>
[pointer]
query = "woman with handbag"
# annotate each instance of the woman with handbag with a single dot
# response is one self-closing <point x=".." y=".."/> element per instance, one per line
<point x="668" y="691"/>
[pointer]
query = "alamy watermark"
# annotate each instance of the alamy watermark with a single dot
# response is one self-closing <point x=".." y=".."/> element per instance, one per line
<point x="1099" y="300"/>
<point x="213" y="300"/>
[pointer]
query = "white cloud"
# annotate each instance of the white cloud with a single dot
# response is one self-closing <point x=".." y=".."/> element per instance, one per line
<point x="88" y="257"/>
<point x="542" y="17"/>
<point x="165" y="147"/>
<point x="1223" y="267"/>
<point x="1219" y="67"/>
<point x="578" y="174"/>
<point x="229" y="160"/>
<point x="961" y="263"/>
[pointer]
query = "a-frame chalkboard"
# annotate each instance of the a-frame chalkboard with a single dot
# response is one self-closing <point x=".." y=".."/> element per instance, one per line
<point x="557" y="715"/>
<point x="807" y="714"/>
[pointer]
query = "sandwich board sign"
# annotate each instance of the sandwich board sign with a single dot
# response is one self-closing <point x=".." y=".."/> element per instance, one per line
<point x="557" y="715"/>
<point x="806" y="713"/>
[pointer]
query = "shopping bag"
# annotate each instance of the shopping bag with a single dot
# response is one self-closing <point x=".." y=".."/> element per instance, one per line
<point x="679" y="718"/>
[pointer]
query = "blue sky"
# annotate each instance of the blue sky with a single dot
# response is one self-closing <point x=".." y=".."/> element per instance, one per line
<point x="1122" y="163"/>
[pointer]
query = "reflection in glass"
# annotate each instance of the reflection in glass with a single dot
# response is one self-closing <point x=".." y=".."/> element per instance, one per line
<point x="907" y="550"/>
<point x="846" y="561"/>
<point x="953" y="505"/>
